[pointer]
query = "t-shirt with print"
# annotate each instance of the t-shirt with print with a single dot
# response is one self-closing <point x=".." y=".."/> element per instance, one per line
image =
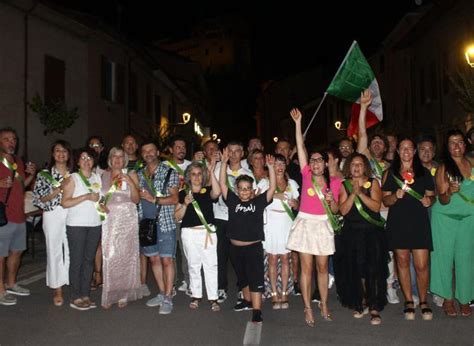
<point x="310" y="202"/>
<point x="203" y="198"/>
<point x="246" y="218"/>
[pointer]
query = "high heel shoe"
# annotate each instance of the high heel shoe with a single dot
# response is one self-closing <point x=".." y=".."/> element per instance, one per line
<point x="309" y="321"/>
<point x="409" y="312"/>
<point x="326" y="316"/>
<point x="276" y="305"/>
<point x="284" y="304"/>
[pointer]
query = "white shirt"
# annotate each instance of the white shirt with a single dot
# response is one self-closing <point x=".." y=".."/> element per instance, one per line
<point x="85" y="213"/>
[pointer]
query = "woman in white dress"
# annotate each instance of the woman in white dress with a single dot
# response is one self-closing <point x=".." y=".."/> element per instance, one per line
<point x="280" y="217"/>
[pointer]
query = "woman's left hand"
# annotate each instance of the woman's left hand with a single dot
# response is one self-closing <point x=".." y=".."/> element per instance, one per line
<point x="426" y="201"/>
<point x="293" y="203"/>
<point x="329" y="197"/>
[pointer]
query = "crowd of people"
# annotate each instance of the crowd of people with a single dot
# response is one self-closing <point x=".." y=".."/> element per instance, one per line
<point x="373" y="215"/>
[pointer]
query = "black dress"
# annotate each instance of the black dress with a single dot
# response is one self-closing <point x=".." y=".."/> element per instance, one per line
<point x="408" y="224"/>
<point x="361" y="254"/>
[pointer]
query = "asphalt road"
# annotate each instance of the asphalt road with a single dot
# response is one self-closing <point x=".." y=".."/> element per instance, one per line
<point x="35" y="321"/>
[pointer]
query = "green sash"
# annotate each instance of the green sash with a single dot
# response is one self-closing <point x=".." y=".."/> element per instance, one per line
<point x="49" y="178"/>
<point x="333" y="220"/>
<point x="286" y="206"/>
<point x="175" y="166"/>
<point x="360" y="208"/>
<point x="86" y="182"/>
<point x="138" y="165"/>
<point x="13" y="170"/>
<point x="407" y="188"/>
<point x="378" y="168"/>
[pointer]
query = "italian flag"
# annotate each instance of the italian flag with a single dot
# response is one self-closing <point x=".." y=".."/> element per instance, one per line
<point x="353" y="76"/>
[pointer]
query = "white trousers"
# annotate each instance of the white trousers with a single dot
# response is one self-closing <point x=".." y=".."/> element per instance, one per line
<point x="57" y="249"/>
<point x="198" y="256"/>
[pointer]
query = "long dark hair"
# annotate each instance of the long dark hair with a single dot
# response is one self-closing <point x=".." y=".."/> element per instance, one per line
<point x="418" y="169"/>
<point x="70" y="160"/>
<point x="324" y="154"/>
<point x="346" y="170"/>
<point x="281" y="158"/>
<point x="451" y="168"/>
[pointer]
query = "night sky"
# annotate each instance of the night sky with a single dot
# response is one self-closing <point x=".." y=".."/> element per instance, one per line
<point x="289" y="38"/>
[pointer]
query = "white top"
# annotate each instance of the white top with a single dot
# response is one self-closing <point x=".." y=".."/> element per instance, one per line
<point x="85" y="213"/>
<point x="244" y="164"/>
<point x="291" y="192"/>
<point x="220" y="208"/>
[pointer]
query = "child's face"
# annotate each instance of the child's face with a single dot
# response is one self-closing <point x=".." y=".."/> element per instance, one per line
<point x="245" y="191"/>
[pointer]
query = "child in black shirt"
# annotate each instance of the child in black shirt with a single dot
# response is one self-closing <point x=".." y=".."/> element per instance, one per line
<point x="245" y="231"/>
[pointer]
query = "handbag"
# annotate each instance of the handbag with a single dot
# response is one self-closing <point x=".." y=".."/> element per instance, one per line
<point x="3" y="205"/>
<point x="147" y="233"/>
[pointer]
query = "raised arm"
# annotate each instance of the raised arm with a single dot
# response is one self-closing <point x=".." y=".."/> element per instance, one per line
<point x="270" y="160"/>
<point x="362" y="140"/>
<point x="216" y="189"/>
<point x="302" y="159"/>
<point x="223" y="173"/>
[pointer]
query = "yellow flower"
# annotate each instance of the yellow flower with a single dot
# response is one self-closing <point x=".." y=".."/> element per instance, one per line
<point x="95" y="186"/>
<point x="471" y="177"/>
<point x="411" y="181"/>
<point x="235" y="173"/>
<point x="382" y="164"/>
<point x="311" y="192"/>
<point x="433" y="171"/>
<point x="367" y="185"/>
<point x="203" y="190"/>
<point x="14" y="166"/>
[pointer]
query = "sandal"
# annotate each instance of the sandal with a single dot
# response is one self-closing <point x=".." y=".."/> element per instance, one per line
<point x="58" y="297"/>
<point x="426" y="312"/>
<point x="360" y="314"/>
<point x="194" y="303"/>
<point x="309" y="321"/>
<point x="465" y="310"/>
<point x="96" y="283"/>
<point x="122" y="303"/>
<point x="409" y="311"/>
<point x="375" y="318"/>
<point x="284" y="304"/>
<point x="276" y="305"/>
<point x="326" y="316"/>
<point x="449" y="308"/>
<point x="215" y="307"/>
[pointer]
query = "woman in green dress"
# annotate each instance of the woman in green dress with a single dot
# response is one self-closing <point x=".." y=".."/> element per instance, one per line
<point x="452" y="228"/>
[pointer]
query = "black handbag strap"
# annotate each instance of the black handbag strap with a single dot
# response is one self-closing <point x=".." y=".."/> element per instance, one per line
<point x="7" y="196"/>
<point x="163" y="190"/>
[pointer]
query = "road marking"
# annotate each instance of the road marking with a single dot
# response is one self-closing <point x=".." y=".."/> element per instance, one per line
<point x="32" y="279"/>
<point x="253" y="333"/>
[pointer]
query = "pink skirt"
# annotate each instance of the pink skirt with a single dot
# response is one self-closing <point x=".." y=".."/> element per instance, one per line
<point x="311" y="234"/>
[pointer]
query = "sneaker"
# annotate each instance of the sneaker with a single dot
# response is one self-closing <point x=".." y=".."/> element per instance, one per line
<point x="166" y="307"/>
<point x="240" y="296"/>
<point x="438" y="301"/>
<point x="471" y="303"/>
<point x="316" y="298"/>
<point x="183" y="287"/>
<point x="332" y="279"/>
<point x="145" y="290"/>
<point x="416" y="301"/>
<point x="7" y="299"/>
<point x="392" y="296"/>
<point x="257" y="316"/>
<point x="18" y="290"/>
<point x="157" y="301"/>
<point x="80" y="305"/>
<point x="243" y="305"/>
<point x="188" y="292"/>
<point x="174" y="292"/>
<point x="221" y="296"/>
<point x="396" y="284"/>
<point x="296" y="289"/>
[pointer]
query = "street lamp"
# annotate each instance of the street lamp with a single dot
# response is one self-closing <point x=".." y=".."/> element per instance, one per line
<point x="470" y="55"/>
<point x="186" y="118"/>
<point x="275" y="139"/>
<point x="214" y="136"/>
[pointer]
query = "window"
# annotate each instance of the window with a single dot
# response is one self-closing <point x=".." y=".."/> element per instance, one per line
<point x="113" y="80"/>
<point x="433" y="81"/>
<point x="149" y="100"/>
<point x="445" y="73"/>
<point x="421" y="83"/>
<point x="54" y="79"/>
<point x="172" y="112"/>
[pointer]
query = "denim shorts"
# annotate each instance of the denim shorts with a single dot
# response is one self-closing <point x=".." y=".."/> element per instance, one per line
<point x="12" y="238"/>
<point x="165" y="245"/>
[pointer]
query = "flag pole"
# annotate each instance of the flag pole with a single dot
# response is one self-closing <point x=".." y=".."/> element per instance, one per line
<point x="314" y="115"/>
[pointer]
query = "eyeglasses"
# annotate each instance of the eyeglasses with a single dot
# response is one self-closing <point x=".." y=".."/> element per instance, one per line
<point x="245" y="189"/>
<point x="316" y="160"/>
<point x="95" y="145"/>
<point x="85" y="158"/>
<point x="347" y="147"/>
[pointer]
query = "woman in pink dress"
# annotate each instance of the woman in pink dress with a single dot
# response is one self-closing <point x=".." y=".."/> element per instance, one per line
<point x="120" y="247"/>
